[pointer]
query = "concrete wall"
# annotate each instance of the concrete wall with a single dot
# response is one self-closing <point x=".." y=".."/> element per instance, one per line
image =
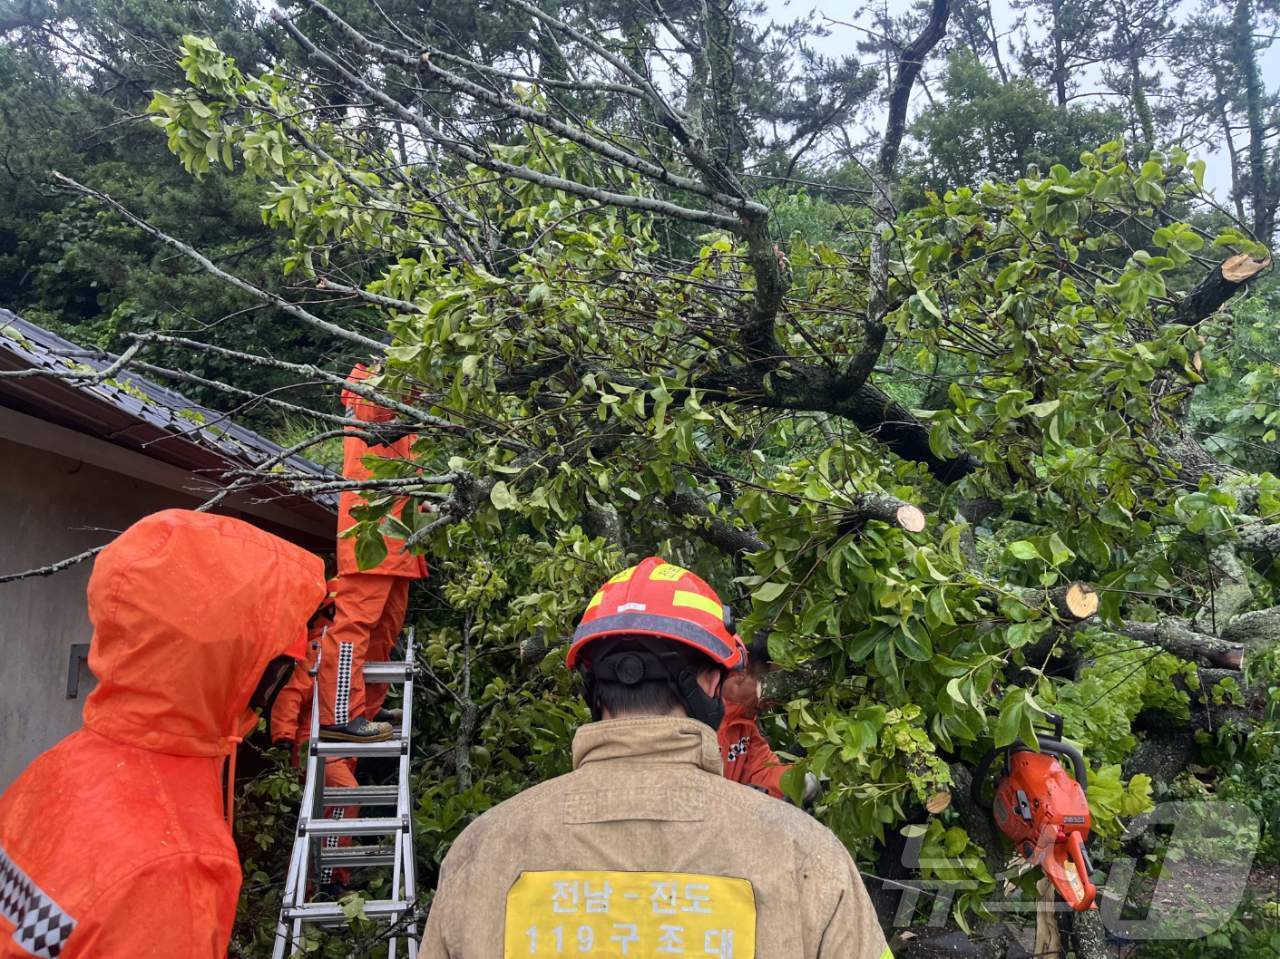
<point x="53" y="507"/>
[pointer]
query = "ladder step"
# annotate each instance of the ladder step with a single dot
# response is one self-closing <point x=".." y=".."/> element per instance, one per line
<point x="392" y="747"/>
<point x="332" y="912"/>
<point x="355" y="827"/>
<point x="361" y="795"/>
<point x="392" y="672"/>
<point x="357" y="857"/>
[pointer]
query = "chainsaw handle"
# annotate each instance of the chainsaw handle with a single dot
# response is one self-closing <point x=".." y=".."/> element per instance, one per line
<point x="1075" y="846"/>
<point x="1078" y="767"/>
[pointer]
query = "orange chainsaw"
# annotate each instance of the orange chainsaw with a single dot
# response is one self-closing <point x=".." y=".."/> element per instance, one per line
<point x="1044" y="811"/>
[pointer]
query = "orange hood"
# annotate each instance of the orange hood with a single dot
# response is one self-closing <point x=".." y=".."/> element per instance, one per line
<point x="187" y="610"/>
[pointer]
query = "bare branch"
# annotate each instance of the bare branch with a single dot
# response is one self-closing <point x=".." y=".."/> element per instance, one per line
<point x="1217" y="287"/>
<point x="472" y="155"/>
<point x="540" y="118"/>
<point x="210" y="267"/>
<point x="78" y="375"/>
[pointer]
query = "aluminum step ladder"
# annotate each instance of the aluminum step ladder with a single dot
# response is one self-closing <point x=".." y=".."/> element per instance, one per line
<point x="311" y="852"/>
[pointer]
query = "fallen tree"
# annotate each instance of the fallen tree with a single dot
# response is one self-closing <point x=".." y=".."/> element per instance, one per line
<point x="607" y="352"/>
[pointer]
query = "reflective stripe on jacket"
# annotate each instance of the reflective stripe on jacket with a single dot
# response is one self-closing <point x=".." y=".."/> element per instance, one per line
<point x="565" y="864"/>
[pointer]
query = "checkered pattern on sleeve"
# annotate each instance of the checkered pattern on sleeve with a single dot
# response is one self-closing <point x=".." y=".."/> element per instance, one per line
<point x="41" y="927"/>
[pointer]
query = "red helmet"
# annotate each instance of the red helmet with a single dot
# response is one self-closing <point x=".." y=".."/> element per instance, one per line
<point x="657" y="598"/>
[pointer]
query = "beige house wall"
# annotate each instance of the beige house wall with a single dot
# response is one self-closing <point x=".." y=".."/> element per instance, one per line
<point x="54" y="507"/>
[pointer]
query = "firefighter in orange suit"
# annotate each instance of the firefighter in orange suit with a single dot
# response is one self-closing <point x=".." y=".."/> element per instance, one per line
<point x="371" y="603"/>
<point x="291" y="728"/>
<point x="645" y="849"/>
<point x="115" y="843"/>
<point x="748" y="757"/>
<point x="291" y="712"/>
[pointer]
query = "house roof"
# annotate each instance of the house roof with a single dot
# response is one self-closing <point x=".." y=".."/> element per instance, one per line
<point x="131" y="411"/>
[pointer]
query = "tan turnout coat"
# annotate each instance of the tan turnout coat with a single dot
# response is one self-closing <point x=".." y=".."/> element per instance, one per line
<point x="646" y="851"/>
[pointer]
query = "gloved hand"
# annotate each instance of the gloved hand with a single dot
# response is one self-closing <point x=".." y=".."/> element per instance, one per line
<point x="283" y="744"/>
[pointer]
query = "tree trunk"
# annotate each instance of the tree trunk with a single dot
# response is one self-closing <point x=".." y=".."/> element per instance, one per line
<point x="1246" y="58"/>
<point x="1088" y="937"/>
<point x="1141" y="106"/>
<point x="718" y="45"/>
<point x="1059" y="55"/>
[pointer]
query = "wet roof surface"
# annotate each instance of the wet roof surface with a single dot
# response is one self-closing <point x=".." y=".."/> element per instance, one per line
<point x="131" y="410"/>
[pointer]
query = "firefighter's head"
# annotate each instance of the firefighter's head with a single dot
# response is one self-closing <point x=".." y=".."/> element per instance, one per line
<point x="655" y="640"/>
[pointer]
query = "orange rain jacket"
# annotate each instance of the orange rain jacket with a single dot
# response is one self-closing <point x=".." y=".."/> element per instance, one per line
<point x="747" y="756"/>
<point x="354" y="450"/>
<point x="113" y="843"/>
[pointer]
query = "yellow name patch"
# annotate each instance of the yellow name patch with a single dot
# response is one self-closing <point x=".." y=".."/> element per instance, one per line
<point x="636" y="915"/>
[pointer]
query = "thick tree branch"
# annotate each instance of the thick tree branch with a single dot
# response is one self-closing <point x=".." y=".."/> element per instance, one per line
<point x="882" y="507"/>
<point x="1255" y="629"/>
<point x="1260" y="538"/>
<point x="1217" y="287"/>
<point x="909" y="66"/>
<point x="1231" y="591"/>
<point x="1176" y="636"/>
<point x="1074" y="602"/>
<point x="716" y="530"/>
<point x="819" y="389"/>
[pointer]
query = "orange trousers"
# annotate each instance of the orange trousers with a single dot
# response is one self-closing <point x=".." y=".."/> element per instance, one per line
<point x="339" y="772"/>
<point x="368" y="619"/>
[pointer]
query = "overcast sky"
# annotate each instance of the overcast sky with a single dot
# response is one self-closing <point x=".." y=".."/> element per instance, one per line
<point x="844" y="40"/>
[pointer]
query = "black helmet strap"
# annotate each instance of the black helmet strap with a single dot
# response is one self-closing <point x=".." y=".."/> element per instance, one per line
<point x="635" y="661"/>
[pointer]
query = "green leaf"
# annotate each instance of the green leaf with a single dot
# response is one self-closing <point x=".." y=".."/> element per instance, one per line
<point x="1019" y="634"/>
<point x="1024" y="549"/>
<point x="792" y="784"/>
<point x="1012" y="712"/>
<point x="1042" y="410"/>
<point x="502" y="497"/>
<point x="914" y="643"/>
<point x="927" y="301"/>
<point x="927" y="568"/>
<point x="1092" y="546"/>
<point x="370" y="548"/>
<point x="1113" y="514"/>
<point x="940" y="441"/>
<point x="938" y="609"/>
<point x="1059" y="552"/>
<point x="768" y="592"/>
<point x="954" y="840"/>
<point x="859" y="736"/>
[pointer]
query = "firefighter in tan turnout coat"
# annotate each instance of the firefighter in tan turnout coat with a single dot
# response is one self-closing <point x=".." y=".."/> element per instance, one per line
<point x="645" y="850"/>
